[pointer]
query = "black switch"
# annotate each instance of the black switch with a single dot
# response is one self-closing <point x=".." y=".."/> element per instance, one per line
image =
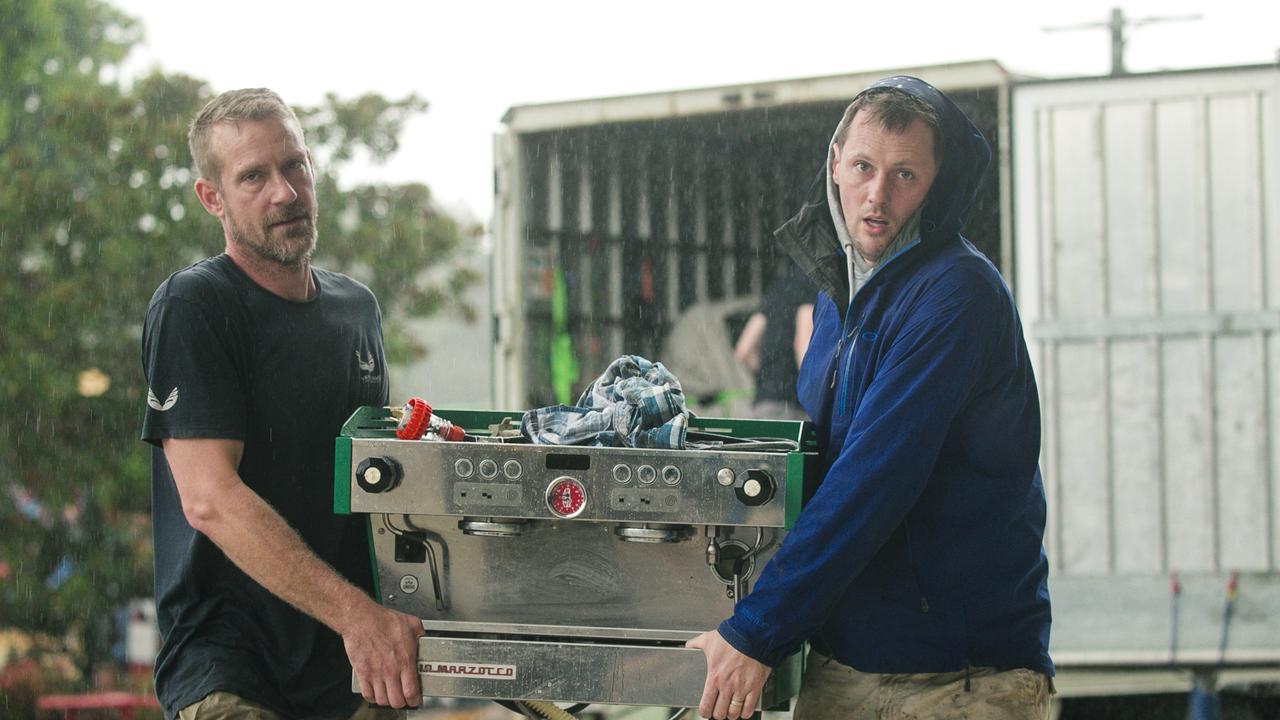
<point x="411" y="547"/>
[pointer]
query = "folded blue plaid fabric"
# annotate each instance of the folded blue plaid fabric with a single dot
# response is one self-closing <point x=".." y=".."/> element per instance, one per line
<point x="635" y="403"/>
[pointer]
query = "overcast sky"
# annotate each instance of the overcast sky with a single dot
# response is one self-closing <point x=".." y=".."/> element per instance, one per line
<point x="474" y="59"/>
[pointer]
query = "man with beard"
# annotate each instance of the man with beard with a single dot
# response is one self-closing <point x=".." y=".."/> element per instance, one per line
<point x="253" y="361"/>
<point x="917" y="571"/>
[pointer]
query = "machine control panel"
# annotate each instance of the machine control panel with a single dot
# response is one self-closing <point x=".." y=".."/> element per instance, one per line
<point x="540" y="481"/>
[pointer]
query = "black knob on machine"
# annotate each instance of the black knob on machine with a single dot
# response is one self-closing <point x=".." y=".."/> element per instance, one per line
<point x="378" y="474"/>
<point x="754" y="487"/>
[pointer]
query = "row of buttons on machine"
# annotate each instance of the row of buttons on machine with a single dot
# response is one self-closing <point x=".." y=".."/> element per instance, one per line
<point x="512" y="469"/>
<point x="646" y="474"/>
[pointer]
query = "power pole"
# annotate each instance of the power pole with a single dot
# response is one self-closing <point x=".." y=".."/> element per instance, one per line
<point x="1117" y="25"/>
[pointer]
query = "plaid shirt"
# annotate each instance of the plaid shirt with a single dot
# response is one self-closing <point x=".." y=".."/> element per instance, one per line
<point x="635" y="403"/>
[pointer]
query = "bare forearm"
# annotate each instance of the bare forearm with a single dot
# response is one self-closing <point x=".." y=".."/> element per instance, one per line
<point x="804" y="331"/>
<point x="261" y="543"/>
<point x="381" y="644"/>
<point x="747" y="350"/>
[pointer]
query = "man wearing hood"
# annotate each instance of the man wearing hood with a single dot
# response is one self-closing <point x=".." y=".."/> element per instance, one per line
<point x="917" y="570"/>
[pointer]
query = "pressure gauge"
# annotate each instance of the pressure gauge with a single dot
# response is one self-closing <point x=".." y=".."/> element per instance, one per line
<point x="566" y="497"/>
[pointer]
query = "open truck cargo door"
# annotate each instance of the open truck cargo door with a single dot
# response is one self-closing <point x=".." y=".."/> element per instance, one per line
<point x="1148" y="278"/>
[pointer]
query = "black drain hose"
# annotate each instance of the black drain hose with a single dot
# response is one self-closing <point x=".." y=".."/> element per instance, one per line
<point x="542" y="709"/>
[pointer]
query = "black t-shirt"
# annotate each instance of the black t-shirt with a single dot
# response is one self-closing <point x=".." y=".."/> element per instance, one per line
<point x="224" y="358"/>
<point x="776" y="377"/>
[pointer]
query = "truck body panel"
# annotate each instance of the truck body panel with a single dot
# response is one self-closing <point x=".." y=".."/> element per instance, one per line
<point x="1149" y="287"/>
<point x="1137" y="220"/>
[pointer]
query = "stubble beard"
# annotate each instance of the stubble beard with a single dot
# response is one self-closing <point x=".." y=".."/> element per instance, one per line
<point x="290" y="249"/>
<point x="860" y="247"/>
<point x="864" y="247"/>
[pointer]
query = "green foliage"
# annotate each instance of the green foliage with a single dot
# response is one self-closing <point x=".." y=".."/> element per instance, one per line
<point x="370" y="122"/>
<point x="96" y="209"/>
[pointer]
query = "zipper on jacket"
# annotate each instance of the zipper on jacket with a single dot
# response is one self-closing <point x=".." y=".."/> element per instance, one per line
<point x="844" y="335"/>
<point x="835" y="367"/>
<point x="842" y="396"/>
<point x="835" y="371"/>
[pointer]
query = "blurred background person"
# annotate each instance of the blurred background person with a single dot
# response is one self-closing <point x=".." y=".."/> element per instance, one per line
<point x="773" y="342"/>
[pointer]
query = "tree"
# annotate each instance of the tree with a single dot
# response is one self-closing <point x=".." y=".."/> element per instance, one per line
<point x="96" y="209"/>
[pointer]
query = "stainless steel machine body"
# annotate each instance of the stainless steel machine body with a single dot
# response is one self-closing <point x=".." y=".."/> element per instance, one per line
<point x="571" y="574"/>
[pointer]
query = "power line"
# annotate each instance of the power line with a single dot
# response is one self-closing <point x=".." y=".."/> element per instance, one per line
<point x="1117" y="26"/>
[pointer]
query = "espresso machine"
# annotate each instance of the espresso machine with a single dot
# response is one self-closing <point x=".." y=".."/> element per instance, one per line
<point x="571" y="574"/>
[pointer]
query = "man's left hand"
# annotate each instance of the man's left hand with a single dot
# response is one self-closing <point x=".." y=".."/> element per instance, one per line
<point x="734" y="681"/>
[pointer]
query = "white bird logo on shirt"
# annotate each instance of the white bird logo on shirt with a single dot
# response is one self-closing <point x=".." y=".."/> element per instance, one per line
<point x="169" y="402"/>
<point x="366" y="364"/>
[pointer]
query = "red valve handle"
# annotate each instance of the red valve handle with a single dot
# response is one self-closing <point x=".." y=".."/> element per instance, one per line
<point x="413" y="421"/>
<point x="416" y="419"/>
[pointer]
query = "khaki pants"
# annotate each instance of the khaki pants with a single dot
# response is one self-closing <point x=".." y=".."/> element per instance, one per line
<point x="832" y="690"/>
<point x="225" y="706"/>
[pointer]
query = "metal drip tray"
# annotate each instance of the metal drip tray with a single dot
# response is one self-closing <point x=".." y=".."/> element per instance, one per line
<point x="572" y="672"/>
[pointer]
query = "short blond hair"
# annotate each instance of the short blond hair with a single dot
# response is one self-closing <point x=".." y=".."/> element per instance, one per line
<point x="895" y="109"/>
<point x="231" y="107"/>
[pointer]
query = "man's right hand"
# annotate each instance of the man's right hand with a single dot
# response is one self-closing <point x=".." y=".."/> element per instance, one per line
<point x="382" y="645"/>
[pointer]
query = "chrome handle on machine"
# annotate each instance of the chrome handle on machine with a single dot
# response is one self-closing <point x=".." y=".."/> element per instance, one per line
<point x="435" y="575"/>
<point x="713" y="545"/>
<point x="732" y="561"/>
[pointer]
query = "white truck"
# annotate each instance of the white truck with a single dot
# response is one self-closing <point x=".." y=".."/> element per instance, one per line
<point x="1137" y="219"/>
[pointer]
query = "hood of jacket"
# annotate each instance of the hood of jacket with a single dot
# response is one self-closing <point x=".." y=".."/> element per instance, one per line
<point x="815" y="237"/>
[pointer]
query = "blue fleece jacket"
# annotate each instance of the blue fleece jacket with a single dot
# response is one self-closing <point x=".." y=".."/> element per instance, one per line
<point x="922" y="549"/>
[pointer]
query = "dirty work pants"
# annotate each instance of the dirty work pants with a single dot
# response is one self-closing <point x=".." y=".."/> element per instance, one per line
<point x="831" y="690"/>
<point x="225" y="706"/>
